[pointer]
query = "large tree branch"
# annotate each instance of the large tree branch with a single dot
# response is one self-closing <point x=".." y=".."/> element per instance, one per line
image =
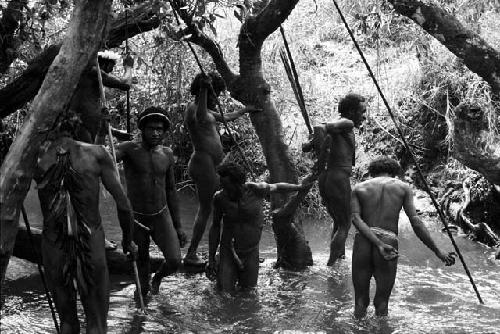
<point x="259" y="27"/>
<point x="475" y="52"/>
<point x="22" y="90"/>
<point x="201" y="39"/>
<point x="9" y="23"/>
<point x="84" y="36"/>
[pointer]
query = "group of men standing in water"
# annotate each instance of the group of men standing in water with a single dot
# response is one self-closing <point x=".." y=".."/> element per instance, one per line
<point x="69" y="171"/>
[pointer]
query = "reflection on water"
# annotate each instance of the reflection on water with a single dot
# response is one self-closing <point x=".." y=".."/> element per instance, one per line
<point x="427" y="298"/>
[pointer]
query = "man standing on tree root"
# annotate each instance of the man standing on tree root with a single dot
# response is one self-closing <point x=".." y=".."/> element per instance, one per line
<point x="200" y="120"/>
<point x="68" y="173"/>
<point x="240" y="206"/>
<point x="149" y="172"/>
<point x="335" y="145"/>
<point x="376" y="204"/>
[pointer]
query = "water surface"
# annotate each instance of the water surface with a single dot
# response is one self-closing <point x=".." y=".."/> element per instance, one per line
<point x="427" y="297"/>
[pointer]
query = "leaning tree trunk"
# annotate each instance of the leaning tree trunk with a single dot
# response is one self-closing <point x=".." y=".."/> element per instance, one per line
<point x="481" y="59"/>
<point x="250" y="87"/>
<point x="87" y="27"/>
<point x="22" y="90"/>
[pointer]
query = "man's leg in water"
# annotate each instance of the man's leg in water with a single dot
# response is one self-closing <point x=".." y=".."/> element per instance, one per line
<point x="64" y="295"/>
<point x="202" y="171"/>
<point x="165" y="237"/>
<point x="247" y="278"/>
<point x="142" y="240"/>
<point x="336" y="192"/>
<point x="227" y="271"/>
<point x="385" y="274"/>
<point x="96" y="302"/>
<point x="362" y="269"/>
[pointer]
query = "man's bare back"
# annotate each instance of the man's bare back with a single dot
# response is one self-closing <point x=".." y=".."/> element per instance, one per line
<point x="381" y="200"/>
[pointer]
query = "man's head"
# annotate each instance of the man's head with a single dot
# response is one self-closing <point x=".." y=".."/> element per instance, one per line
<point x="218" y="85"/>
<point x="353" y="107"/>
<point x="68" y="124"/>
<point x="153" y="124"/>
<point x="384" y="165"/>
<point x="231" y="175"/>
<point x="107" y="60"/>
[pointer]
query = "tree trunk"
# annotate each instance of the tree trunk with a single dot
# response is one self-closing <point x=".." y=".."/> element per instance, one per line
<point x="87" y="27"/>
<point x="22" y="90"/>
<point x="9" y="23"/>
<point x="250" y="87"/>
<point x="118" y="263"/>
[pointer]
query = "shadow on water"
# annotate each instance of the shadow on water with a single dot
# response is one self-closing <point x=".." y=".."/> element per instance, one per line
<point x="427" y="297"/>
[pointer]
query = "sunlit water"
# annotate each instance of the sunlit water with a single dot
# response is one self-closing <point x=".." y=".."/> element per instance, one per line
<point x="427" y="297"/>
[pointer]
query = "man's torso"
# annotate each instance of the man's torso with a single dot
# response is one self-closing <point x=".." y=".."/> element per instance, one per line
<point x="145" y="173"/>
<point x="242" y="220"/>
<point x="204" y="135"/>
<point x="341" y="150"/>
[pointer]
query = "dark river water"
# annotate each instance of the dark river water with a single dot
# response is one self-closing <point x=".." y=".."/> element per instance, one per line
<point x="427" y="297"/>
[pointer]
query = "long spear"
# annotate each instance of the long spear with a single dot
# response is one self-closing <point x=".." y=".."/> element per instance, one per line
<point x="40" y="269"/>
<point x="297" y="83"/>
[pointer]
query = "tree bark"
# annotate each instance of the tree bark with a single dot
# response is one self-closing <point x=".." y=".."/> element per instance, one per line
<point x="9" y="43"/>
<point x="22" y="90"/>
<point x="250" y="87"/>
<point x="85" y="33"/>
<point x="474" y="51"/>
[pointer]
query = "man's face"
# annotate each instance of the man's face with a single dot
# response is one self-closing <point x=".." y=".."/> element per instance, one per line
<point x="153" y="133"/>
<point x="360" y="114"/>
<point x="107" y="66"/>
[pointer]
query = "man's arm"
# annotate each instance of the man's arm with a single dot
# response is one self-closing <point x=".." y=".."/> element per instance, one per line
<point x="293" y="203"/>
<point x="340" y="125"/>
<point x="112" y="183"/>
<point x="387" y="251"/>
<point x="421" y="231"/>
<point x="263" y="188"/>
<point x="173" y="201"/>
<point x="202" y="109"/>
<point x="111" y="81"/>
<point x="229" y="117"/>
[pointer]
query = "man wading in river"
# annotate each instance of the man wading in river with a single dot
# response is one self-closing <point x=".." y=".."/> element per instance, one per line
<point x="376" y="204"/>
<point x="149" y="172"/>
<point x="335" y="145"/>
<point x="200" y="120"/>
<point x="68" y="173"/>
<point x="239" y="206"/>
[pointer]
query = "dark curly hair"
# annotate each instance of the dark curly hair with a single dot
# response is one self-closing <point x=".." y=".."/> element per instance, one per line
<point x="349" y="103"/>
<point x="384" y="164"/>
<point x="155" y="114"/>
<point x="235" y="172"/>
<point x="217" y="83"/>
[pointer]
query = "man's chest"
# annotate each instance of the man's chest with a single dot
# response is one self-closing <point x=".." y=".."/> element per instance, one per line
<point x="142" y="161"/>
